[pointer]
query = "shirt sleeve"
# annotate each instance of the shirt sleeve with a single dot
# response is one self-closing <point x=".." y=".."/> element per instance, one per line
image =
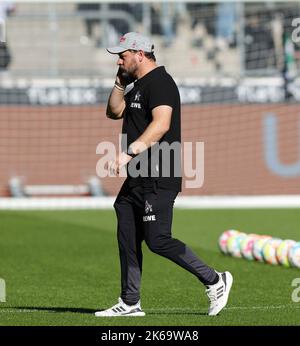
<point x="162" y="93"/>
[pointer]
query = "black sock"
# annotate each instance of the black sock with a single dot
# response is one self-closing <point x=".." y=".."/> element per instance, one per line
<point x="128" y="303"/>
<point x="217" y="278"/>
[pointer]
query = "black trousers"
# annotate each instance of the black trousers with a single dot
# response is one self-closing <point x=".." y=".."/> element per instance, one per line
<point x="146" y="214"/>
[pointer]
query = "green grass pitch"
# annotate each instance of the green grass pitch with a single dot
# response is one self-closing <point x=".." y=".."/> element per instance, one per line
<point x="61" y="266"/>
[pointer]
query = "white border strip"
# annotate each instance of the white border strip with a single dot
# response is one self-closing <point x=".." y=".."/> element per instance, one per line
<point x="183" y="202"/>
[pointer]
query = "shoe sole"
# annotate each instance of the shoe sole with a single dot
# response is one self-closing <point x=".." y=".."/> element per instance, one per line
<point x="229" y="281"/>
<point x="135" y="314"/>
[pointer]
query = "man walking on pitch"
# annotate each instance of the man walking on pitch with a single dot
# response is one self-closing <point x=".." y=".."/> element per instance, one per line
<point x="144" y="205"/>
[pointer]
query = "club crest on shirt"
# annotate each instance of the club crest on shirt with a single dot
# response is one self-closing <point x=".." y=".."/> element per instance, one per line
<point x="137" y="96"/>
<point x="136" y="103"/>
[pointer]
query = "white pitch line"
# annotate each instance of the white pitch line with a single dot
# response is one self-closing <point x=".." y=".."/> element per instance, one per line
<point x="295" y="306"/>
<point x="266" y="307"/>
<point x="180" y="310"/>
<point x="4" y="310"/>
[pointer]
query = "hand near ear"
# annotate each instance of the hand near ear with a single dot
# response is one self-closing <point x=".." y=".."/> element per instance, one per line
<point x="123" y="77"/>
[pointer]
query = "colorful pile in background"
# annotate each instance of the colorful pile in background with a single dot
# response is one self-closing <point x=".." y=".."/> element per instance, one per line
<point x="262" y="248"/>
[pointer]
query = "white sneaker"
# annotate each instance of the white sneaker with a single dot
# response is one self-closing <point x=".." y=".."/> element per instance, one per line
<point x="122" y="309"/>
<point x="218" y="293"/>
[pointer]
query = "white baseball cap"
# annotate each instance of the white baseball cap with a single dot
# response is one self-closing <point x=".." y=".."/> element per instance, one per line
<point x="134" y="41"/>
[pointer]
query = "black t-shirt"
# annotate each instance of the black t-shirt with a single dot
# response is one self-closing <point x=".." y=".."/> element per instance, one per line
<point x="161" y="164"/>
